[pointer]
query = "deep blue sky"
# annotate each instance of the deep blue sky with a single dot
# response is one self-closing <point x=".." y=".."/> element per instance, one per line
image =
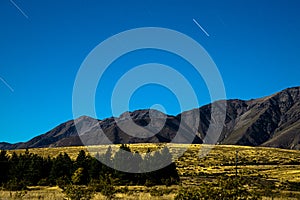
<point x="255" y="45"/>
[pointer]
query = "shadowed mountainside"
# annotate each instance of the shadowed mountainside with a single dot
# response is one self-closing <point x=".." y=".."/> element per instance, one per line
<point x="272" y="121"/>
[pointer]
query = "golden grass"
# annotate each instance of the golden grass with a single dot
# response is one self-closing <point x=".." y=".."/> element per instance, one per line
<point x="280" y="164"/>
<point x="49" y="193"/>
<point x="276" y="164"/>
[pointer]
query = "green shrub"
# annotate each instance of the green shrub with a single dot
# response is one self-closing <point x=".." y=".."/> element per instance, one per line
<point x="78" y="176"/>
<point x="123" y="190"/>
<point x="105" y="186"/>
<point x="75" y="192"/>
<point x="62" y="182"/>
<point x="15" y="185"/>
<point x="43" y="182"/>
<point x="223" y="189"/>
<point x="149" y="183"/>
<point x="155" y="192"/>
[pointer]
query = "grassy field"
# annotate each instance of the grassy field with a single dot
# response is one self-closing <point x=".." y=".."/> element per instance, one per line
<point x="279" y="166"/>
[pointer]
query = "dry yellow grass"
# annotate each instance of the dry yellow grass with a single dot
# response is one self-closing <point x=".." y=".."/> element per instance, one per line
<point x="49" y="193"/>
<point x="276" y="164"/>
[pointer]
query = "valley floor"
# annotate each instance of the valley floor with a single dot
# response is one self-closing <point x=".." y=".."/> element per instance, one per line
<point x="55" y="193"/>
<point x="199" y="164"/>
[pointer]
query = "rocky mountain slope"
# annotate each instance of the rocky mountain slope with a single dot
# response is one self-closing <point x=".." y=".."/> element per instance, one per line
<point x="272" y="121"/>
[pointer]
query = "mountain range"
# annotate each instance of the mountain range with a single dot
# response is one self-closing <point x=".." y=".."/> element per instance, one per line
<point x="272" y="121"/>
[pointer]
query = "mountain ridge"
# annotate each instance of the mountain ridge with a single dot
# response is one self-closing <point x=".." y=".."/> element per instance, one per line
<point x="272" y="121"/>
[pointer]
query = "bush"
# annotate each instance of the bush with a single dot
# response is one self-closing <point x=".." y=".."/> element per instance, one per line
<point x="75" y="192"/>
<point x="62" y="182"/>
<point x="230" y="188"/>
<point x="289" y="185"/>
<point x="78" y="176"/>
<point x="108" y="191"/>
<point x="156" y="193"/>
<point x="123" y="190"/>
<point x="43" y="182"/>
<point x="149" y="183"/>
<point x="189" y="194"/>
<point x="105" y="185"/>
<point x="15" y="185"/>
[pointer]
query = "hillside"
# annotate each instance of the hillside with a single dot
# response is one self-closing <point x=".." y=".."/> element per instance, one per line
<point x="271" y="121"/>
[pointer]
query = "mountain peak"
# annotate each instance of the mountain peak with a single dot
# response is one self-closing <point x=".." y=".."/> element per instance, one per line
<point x="269" y="121"/>
<point x="84" y="117"/>
<point x="142" y="113"/>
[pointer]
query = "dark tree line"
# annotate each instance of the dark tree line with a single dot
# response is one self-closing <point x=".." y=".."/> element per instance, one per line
<point x="28" y="169"/>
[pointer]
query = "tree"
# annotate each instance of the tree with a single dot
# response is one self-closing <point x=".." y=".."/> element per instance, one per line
<point x="81" y="159"/>
<point x="108" y="156"/>
<point x="166" y="155"/>
<point x="19" y="171"/>
<point x="105" y="185"/>
<point x="4" y="166"/>
<point x="169" y="173"/>
<point x="137" y="161"/>
<point x="82" y="162"/>
<point x="34" y="169"/>
<point x="94" y="168"/>
<point x="78" y="177"/>
<point x="22" y="168"/>
<point x="123" y="158"/>
<point x="62" y="168"/>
